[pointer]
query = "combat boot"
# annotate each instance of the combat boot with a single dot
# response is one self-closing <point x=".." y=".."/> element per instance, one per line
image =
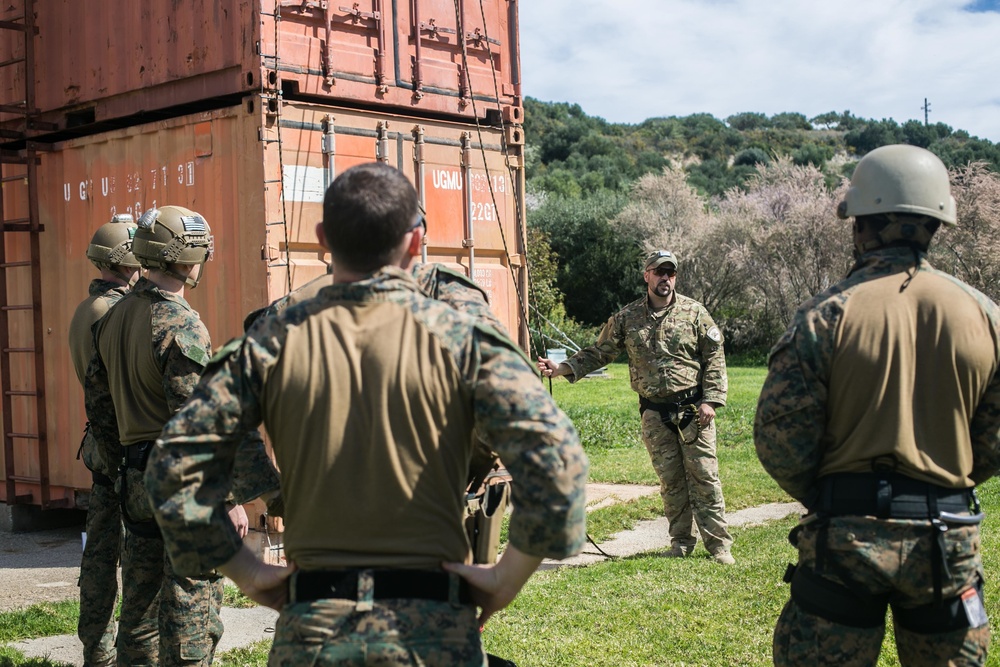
<point x="679" y="551"/>
<point x="724" y="556"/>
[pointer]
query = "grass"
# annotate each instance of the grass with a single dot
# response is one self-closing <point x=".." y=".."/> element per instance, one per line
<point x="640" y="610"/>
<point x="606" y="413"/>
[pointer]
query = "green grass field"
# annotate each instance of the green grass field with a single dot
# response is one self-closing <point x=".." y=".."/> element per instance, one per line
<point x="642" y="610"/>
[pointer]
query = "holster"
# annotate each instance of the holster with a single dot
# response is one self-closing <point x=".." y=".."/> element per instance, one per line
<point x="484" y="519"/>
<point x="135" y="457"/>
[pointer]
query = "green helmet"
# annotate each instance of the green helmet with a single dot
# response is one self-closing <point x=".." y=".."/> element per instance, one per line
<point x="172" y="235"/>
<point x="111" y="245"/>
<point x="900" y="179"/>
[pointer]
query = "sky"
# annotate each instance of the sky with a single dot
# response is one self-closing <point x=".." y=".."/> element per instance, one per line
<point x="628" y="60"/>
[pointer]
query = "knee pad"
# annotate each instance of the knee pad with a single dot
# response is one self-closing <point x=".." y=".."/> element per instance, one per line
<point x="961" y="612"/>
<point x="835" y="602"/>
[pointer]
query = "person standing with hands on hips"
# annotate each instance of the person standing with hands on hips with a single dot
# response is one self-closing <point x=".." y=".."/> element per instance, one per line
<point x="677" y="365"/>
<point x="371" y="393"/>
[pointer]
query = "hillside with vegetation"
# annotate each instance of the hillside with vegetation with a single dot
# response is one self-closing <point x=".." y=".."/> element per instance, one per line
<point x="748" y="204"/>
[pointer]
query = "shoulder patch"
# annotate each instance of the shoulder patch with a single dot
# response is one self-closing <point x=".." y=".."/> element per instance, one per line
<point x="714" y="334"/>
<point x="191" y="348"/>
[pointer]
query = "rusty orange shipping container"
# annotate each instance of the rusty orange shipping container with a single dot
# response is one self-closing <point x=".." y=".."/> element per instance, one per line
<point x="257" y="171"/>
<point x="114" y="59"/>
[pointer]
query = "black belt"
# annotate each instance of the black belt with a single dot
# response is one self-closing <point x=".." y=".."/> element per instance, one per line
<point x="136" y="455"/>
<point x="388" y="584"/>
<point x="888" y="496"/>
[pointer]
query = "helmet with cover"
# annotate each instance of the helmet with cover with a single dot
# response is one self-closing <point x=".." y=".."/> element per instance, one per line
<point x="111" y="246"/>
<point x="173" y="235"/>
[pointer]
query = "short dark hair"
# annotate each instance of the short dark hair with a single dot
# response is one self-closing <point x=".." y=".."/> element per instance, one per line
<point x="366" y="212"/>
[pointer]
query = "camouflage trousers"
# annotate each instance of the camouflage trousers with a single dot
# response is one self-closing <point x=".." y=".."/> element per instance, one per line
<point x="689" y="483"/>
<point x="387" y="633"/>
<point x="99" y="577"/>
<point x="166" y="619"/>
<point x="883" y="557"/>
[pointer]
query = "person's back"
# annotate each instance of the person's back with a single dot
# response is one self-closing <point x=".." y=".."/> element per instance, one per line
<point x="880" y="413"/>
<point x="909" y="368"/>
<point x="371" y="392"/>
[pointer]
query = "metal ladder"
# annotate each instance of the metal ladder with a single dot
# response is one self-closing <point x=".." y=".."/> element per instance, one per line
<point x="25" y="444"/>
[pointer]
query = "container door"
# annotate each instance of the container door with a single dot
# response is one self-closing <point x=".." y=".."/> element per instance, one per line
<point x="461" y="175"/>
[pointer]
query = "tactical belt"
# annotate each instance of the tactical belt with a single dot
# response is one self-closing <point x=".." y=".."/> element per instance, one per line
<point x="672" y="412"/>
<point x="388" y="585"/>
<point x="135" y="457"/>
<point x="888" y="496"/>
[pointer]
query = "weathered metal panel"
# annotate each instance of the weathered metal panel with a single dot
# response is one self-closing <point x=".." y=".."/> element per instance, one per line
<point x="258" y="178"/>
<point x="99" y="61"/>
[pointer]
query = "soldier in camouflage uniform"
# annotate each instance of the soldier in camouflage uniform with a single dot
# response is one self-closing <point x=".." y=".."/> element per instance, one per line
<point x="150" y="351"/>
<point x="370" y="392"/>
<point x="880" y="412"/>
<point x="677" y="365"/>
<point x="110" y="250"/>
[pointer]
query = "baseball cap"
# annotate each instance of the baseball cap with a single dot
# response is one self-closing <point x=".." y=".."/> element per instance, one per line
<point x="658" y="258"/>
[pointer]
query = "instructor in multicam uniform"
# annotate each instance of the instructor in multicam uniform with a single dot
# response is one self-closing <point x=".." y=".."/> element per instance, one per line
<point x="110" y="250"/>
<point x="880" y="413"/>
<point x="370" y="392"/>
<point x="678" y="367"/>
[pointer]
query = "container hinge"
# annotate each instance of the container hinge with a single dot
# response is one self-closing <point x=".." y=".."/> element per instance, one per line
<point x="468" y="243"/>
<point x="357" y="14"/>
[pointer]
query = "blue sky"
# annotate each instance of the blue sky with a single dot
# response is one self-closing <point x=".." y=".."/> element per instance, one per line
<point x="628" y="60"/>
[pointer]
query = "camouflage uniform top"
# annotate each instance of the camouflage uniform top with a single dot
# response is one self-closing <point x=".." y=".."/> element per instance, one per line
<point x="435" y="280"/>
<point x="103" y="295"/>
<point x="377" y="454"/>
<point x="151" y="350"/>
<point x="669" y="350"/>
<point x="896" y="360"/>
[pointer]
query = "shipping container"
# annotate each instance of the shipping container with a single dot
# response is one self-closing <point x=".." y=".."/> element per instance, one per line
<point x="257" y="171"/>
<point x="96" y="62"/>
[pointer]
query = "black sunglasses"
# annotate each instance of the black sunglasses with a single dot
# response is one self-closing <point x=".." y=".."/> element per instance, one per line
<point x="668" y="271"/>
<point x="421" y="222"/>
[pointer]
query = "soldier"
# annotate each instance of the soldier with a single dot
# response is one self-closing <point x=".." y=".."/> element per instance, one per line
<point x="370" y="392"/>
<point x="880" y="412"/>
<point x="110" y="250"/>
<point x="677" y="366"/>
<point x="150" y="351"/>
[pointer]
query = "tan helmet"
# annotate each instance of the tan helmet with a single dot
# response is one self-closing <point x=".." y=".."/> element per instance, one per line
<point x="111" y="246"/>
<point x="172" y="235"/>
<point x="900" y="179"/>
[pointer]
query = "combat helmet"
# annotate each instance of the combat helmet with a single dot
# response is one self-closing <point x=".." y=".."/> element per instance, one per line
<point x="172" y="235"/>
<point x="111" y="246"/>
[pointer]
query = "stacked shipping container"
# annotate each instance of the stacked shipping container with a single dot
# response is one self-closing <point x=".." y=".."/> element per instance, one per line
<point x="281" y="107"/>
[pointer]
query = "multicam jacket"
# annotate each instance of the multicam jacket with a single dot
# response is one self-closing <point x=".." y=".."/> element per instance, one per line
<point x="896" y="363"/>
<point x="370" y="392"/>
<point x="669" y="351"/>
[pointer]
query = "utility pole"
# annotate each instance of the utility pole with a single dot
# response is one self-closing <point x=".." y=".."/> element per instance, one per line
<point x="926" y="108"/>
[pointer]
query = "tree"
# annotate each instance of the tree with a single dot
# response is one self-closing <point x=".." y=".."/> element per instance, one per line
<point x="747" y="121"/>
<point x="790" y="121"/>
<point x="598" y="269"/>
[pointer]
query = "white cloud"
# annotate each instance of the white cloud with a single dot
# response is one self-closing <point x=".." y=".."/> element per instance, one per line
<point x="628" y="60"/>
